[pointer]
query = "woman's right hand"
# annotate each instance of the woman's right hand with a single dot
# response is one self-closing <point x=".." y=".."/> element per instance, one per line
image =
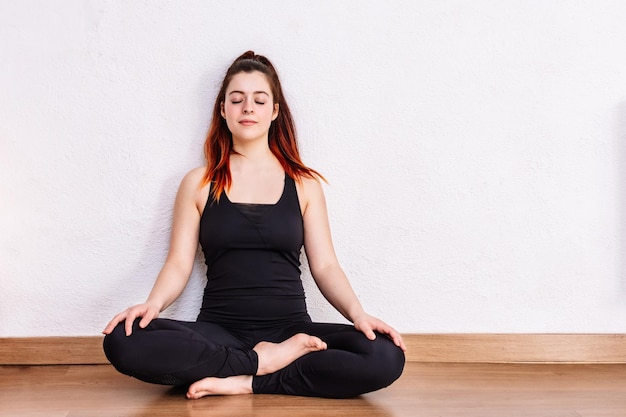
<point x="147" y="311"/>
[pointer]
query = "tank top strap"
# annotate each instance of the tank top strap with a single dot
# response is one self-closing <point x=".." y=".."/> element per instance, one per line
<point x="290" y="193"/>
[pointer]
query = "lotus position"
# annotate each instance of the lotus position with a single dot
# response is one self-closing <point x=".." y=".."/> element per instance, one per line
<point x="252" y="209"/>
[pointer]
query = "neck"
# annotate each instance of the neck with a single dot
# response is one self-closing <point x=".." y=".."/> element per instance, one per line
<point x="257" y="150"/>
<point x="253" y="157"/>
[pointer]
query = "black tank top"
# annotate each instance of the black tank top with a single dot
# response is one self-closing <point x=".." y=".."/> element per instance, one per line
<point x="252" y="253"/>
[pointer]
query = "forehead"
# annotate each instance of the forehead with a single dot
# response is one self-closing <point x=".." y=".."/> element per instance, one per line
<point x="249" y="82"/>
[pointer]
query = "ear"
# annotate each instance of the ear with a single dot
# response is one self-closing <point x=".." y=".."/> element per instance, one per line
<point x="222" y="110"/>
<point x="275" y="113"/>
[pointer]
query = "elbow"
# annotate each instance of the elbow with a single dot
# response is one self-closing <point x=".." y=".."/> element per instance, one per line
<point x="319" y="272"/>
<point x="179" y="268"/>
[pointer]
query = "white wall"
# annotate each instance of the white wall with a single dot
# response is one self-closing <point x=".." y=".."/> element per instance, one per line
<point x="476" y="153"/>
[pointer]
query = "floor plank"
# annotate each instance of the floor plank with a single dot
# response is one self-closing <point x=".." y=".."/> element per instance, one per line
<point x="425" y="389"/>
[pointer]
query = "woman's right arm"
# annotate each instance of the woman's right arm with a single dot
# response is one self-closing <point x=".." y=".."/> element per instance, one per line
<point x="175" y="273"/>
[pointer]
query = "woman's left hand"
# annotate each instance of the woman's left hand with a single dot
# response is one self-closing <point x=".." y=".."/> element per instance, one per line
<point x="368" y="324"/>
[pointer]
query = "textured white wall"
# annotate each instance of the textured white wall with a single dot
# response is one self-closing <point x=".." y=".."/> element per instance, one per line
<point x="476" y="153"/>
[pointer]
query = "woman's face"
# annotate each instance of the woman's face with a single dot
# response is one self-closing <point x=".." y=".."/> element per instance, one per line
<point x="248" y="106"/>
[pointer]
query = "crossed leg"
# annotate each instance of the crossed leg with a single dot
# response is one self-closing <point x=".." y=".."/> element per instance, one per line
<point x="346" y="364"/>
<point x="313" y="359"/>
<point x="272" y="357"/>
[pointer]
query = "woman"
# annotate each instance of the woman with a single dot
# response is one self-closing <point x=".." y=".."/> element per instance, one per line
<point x="252" y="208"/>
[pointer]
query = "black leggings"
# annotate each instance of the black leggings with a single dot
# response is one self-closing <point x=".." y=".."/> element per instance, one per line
<point x="174" y="352"/>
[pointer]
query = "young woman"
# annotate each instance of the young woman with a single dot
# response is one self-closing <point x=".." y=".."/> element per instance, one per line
<point x="252" y="208"/>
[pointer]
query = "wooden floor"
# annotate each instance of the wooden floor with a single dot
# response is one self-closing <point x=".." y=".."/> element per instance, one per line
<point x="425" y="389"/>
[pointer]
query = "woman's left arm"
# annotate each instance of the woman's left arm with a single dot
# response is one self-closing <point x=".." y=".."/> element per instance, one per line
<point x="328" y="274"/>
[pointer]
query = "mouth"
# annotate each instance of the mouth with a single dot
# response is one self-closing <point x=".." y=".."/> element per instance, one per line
<point x="247" y="122"/>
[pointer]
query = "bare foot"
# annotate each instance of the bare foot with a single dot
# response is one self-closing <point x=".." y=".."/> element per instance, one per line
<point x="233" y="385"/>
<point x="275" y="356"/>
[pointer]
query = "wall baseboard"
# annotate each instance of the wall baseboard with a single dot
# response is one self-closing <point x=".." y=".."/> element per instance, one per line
<point x="479" y="348"/>
<point x="52" y="350"/>
<point x="517" y="348"/>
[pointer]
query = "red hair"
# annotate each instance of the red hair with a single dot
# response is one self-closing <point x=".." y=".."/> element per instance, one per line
<point x="282" y="133"/>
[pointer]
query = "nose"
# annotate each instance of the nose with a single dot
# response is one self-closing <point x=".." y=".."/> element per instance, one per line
<point x="247" y="108"/>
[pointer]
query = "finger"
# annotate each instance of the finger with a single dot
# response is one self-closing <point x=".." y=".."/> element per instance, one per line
<point x="109" y="327"/>
<point x="117" y="319"/>
<point x="384" y="329"/>
<point x="393" y="335"/>
<point x="145" y="320"/>
<point x="397" y="340"/>
<point x="402" y="345"/>
<point x="368" y="332"/>
<point x="130" y="319"/>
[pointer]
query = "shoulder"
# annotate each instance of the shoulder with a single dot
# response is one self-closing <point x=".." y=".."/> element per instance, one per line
<point x="311" y="184"/>
<point x="310" y="192"/>
<point x="193" y="179"/>
<point x="191" y="187"/>
<point x="194" y="176"/>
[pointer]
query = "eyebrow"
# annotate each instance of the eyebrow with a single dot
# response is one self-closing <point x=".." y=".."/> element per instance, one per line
<point x="241" y="92"/>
